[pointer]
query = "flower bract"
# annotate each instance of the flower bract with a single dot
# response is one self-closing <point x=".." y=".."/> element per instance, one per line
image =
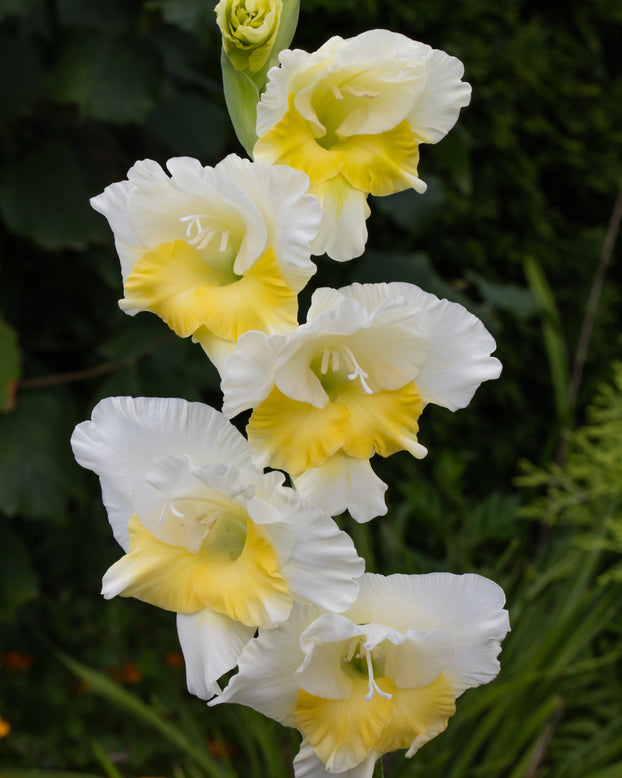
<point x="352" y="382"/>
<point x="352" y="115"/>
<point x="206" y="534"/>
<point x="214" y="252"/>
<point x="382" y="676"/>
<point x="249" y="29"/>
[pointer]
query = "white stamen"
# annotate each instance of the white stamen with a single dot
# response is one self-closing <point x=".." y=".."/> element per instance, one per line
<point x="357" y="371"/>
<point x="355" y="91"/>
<point x="336" y="93"/>
<point x="200" y="236"/>
<point x="325" y="361"/>
<point x="373" y="686"/>
<point x="177" y="513"/>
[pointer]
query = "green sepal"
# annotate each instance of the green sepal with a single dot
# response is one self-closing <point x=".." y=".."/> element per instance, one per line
<point x="285" y="35"/>
<point x="241" y="96"/>
<point x="242" y="92"/>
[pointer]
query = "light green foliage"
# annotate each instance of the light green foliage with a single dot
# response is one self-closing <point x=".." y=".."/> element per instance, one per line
<point x="586" y="492"/>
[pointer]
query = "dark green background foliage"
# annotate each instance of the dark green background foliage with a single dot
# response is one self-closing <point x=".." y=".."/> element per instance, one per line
<point x="512" y="226"/>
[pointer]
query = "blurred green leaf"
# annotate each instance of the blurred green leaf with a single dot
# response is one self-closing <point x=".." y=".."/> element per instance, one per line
<point x="111" y="79"/>
<point x="136" y="707"/>
<point x="9" y="365"/>
<point x="18" y="581"/>
<point x="242" y="96"/>
<point x="37" y="472"/>
<point x="415" y="213"/>
<point x="554" y="341"/>
<point x="44" y="197"/>
<point x="506" y="297"/>
<point x="9" y="772"/>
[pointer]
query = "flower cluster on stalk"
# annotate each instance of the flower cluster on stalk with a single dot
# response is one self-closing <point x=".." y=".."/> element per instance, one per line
<point x="257" y="571"/>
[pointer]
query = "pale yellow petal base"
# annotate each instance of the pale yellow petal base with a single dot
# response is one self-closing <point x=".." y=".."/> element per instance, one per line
<point x="344" y="732"/>
<point x="176" y="283"/>
<point x="248" y="588"/>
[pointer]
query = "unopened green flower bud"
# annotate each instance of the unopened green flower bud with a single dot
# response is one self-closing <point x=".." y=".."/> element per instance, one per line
<point x="249" y="29"/>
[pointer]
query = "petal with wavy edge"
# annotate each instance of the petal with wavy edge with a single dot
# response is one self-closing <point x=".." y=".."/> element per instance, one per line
<point x="308" y="765"/>
<point x="248" y="588"/>
<point x="343" y="732"/>
<point x="175" y="495"/>
<point x="417" y="716"/>
<point x="248" y="373"/>
<point x="267" y="666"/>
<point x="293" y="374"/>
<point x="291" y="214"/>
<point x="454" y="343"/>
<point x="468" y="607"/>
<point x="292" y="142"/>
<point x="382" y="164"/>
<point x="298" y="69"/>
<point x="438" y="105"/>
<point x="112" y="203"/>
<point x="325" y="642"/>
<point x="385" y="71"/>
<point x="323" y="566"/>
<point x="320" y="432"/>
<point x="127" y="434"/>
<point x="381" y="423"/>
<point x="193" y="190"/>
<point x="343" y="483"/>
<point x="342" y="233"/>
<point x="175" y="283"/>
<point x="211" y="644"/>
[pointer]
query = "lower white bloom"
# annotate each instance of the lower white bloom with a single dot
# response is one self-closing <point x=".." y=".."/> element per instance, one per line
<point x="206" y="534"/>
<point x="352" y="382"/>
<point x="382" y="676"/>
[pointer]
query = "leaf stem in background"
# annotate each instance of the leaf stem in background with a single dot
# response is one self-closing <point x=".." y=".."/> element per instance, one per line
<point x="587" y="325"/>
<point x="92" y="372"/>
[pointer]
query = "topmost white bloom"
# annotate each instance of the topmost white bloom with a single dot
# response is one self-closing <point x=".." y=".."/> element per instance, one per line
<point x="352" y="116"/>
<point x="214" y="252"/>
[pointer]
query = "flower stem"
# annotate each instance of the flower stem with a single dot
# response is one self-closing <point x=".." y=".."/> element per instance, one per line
<point x="378" y="769"/>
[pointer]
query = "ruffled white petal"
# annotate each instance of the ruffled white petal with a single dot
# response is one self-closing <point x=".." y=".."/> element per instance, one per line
<point x="308" y="765"/>
<point x="112" y="203"/>
<point x="454" y="347"/>
<point x="291" y="214"/>
<point x="126" y="435"/>
<point x="468" y="608"/>
<point x="438" y="105"/>
<point x="248" y="373"/>
<point x="344" y="483"/>
<point x="342" y="233"/>
<point x="211" y="644"/>
<point x="323" y="566"/>
<point x="267" y="666"/>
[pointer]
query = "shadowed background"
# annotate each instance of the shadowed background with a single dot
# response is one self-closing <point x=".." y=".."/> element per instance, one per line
<point x="523" y="486"/>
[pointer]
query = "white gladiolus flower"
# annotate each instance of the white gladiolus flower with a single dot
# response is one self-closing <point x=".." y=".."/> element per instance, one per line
<point x="206" y="534"/>
<point x="384" y="675"/>
<point x="213" y="251"/>
<point x="352" y="116"/>
<point x="352" y="382"/>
